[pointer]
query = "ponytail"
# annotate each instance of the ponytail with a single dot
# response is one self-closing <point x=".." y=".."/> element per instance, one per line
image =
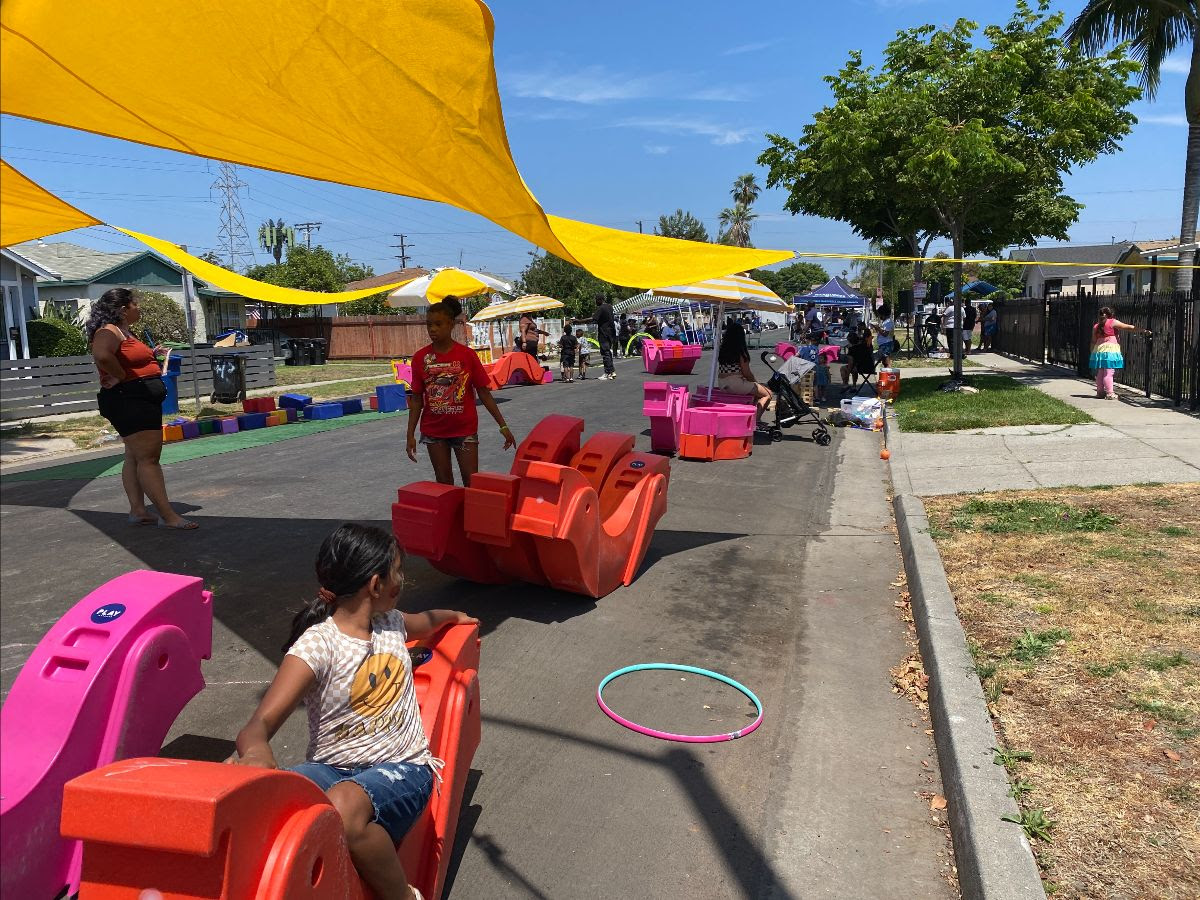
<point x="449" y="306"/>
<point x="347" y="560"/>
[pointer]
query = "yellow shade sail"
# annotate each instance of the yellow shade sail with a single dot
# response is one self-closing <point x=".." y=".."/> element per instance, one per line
<point x="516" y="308"/>
<point x="396" y="97"/>
<point x="29" y="212"/>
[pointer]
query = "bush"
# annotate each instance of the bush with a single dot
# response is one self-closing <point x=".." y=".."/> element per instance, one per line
<point x="163" y="316"/>
<point x="52" y="336"/>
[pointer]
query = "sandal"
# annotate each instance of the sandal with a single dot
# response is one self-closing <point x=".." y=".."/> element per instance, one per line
<point x="1111" y="397"/>
<point x="181" y="525"/>
<point x="144" y="519"/>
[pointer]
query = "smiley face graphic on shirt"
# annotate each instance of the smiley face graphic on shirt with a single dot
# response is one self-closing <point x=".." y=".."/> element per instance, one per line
<point x="378" y="684"/>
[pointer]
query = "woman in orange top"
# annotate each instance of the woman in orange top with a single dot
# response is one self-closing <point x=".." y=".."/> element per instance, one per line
<point x="131" y="396"/>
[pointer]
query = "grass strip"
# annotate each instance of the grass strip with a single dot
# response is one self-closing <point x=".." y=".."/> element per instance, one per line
<point x="1001" y="400"/>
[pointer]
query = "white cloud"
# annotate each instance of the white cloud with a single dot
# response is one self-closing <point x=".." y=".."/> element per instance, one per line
<point x="593" y="84"/>
<point x="656" y="149"/>
<point x="721" y="134"/>
<point x="1164" y="119"/>
<point x="1177" y="65"/>
<point x="750" y="48"/>
<point x="553" y="114"/>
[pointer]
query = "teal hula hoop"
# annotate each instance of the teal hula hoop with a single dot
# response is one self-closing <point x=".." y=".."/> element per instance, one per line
<point x="667" y="735"/>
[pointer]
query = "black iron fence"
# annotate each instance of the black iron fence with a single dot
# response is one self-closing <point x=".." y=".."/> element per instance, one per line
<point x="1059" y="331"/>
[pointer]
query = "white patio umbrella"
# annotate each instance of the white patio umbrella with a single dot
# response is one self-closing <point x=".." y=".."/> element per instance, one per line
<point x="447" y="282"/>
<point x="736" y="291"/>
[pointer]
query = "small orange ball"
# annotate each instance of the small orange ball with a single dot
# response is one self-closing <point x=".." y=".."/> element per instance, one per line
<point x="885" y="453"/>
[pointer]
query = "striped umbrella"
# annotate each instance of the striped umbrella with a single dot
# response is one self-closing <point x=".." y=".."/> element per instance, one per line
<point x="446" y="283"/>
<point x="515" y="308"/>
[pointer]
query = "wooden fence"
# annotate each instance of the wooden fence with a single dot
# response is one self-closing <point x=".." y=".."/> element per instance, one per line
<point x="48" y="386"/>
<point x="354" y="337"/>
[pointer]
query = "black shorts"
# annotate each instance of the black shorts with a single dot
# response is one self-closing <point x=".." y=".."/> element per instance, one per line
<point x="133" y="406"/>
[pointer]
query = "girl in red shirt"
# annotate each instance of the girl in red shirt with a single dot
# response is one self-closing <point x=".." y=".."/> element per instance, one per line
<point x="446" y="376"/>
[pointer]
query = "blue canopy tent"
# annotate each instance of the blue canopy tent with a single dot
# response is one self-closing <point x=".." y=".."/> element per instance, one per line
<point x="834" y="292"/>
<point x="982" y="288"/>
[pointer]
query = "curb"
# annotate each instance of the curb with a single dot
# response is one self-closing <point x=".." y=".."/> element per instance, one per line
<point x="995" y="861"/>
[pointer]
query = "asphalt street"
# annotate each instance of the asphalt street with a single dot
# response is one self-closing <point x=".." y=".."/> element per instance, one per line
<point x="774" y="570"/>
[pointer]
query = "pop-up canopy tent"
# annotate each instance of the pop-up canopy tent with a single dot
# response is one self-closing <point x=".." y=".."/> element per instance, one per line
<point x="982" y="288"/>
<point x="834" y="292"/>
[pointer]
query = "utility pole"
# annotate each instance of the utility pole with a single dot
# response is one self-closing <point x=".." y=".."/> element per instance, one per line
<point x="639" y="224"/>
<point x="308" y="228"/>
<point x="404" y="248"/>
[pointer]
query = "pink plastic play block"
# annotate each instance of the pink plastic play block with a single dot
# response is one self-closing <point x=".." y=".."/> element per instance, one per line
<point x="547" y="377"/>
<point x="669" y="357"/>
<point x="784" y="350"/>
<point x="664" y="404"/>
<point x="721" y="420"/>
<point x="700" y="392"/>
<point x="105" y="683"/>
<point x="229" y="425"/>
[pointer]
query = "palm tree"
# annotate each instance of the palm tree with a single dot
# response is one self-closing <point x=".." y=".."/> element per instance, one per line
<point x="275" y="236"/>
<point x="1155" y="29"/>
<point x="745" y="189"/>
<point x="735" y="224"/>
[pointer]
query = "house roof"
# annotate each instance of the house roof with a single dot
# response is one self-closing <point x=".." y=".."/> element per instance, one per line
<point x="72" y="262"/>
<point x="26" y="263"/>
<point x="386" y="278"/>
<point x="1046" y="257"/>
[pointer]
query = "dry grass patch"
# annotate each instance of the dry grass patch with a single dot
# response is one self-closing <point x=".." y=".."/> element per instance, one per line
<point x="1083" y="611"/>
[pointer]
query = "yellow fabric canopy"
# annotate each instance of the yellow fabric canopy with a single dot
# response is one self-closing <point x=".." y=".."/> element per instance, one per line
<point x="29" y="212"/>
<point x="27" y="209"/>
<point x="396" y="97"/>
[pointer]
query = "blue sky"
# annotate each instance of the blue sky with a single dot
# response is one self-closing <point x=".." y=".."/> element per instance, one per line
<point x="616" y="112"/>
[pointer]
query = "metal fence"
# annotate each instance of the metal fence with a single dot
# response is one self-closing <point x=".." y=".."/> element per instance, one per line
<point x="1166" y="363"/>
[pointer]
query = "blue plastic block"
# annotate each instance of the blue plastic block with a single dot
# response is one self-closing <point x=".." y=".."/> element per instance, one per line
<point x="249" y="421"/>
<point x="294" y="401"/>
<point x="323" y="411"/>
<point x="350" y="406"/>
<point x="391" y="397"/>
<point x="190" y="430"/>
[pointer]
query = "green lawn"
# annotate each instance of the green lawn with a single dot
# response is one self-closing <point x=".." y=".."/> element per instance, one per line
<point x="919" y="362"/>
<point x="1001" y="400"/>
<point x="288" y="375"/>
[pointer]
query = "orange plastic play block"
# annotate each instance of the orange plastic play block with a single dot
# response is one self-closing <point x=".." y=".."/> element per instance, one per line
<point x="172" y="433"/>
<point x="696" y="446"/>
<point x="732" y="447"/>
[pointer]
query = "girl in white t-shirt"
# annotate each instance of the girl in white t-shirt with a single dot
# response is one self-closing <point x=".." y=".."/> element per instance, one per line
<point x="346" y="658"/>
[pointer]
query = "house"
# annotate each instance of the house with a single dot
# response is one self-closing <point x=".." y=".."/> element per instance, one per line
<point x="19" y="292"/>
<point x="78" y="275"/>
<point x="1050" y="276"/>
<point x="1148" y="281"/>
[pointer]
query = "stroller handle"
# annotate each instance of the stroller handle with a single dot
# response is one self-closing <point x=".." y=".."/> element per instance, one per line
<point x="770" y="358"/>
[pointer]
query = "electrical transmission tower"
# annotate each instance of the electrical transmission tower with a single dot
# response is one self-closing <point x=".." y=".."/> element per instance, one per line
<point x="232" y="237"/>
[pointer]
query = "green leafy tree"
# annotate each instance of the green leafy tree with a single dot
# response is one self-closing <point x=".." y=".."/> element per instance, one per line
<point x="163" y="317"/>
<point x="736" y="222"/>
<point x="682" y="225"/>
<point x="983" y="126"/>
<point x="577" y="288"/>
<point x="745" y="189"/>
<point x="211" y="256"/>
<point x="1007" y="278"/>
<point x="791" y="280"/>
<point x="275" y="236"/>
<point x="311" y="269"/>
<point x="1155" y="29"/>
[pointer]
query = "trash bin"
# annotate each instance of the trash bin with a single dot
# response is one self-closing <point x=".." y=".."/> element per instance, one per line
<point x="228" y="377"/>
<point x="170" y="378"/>
<point x="319" y="348"/>
<point x="295" y="352"/>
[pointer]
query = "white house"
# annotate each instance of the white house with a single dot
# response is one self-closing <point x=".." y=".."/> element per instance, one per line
<point x="19" y="288"/>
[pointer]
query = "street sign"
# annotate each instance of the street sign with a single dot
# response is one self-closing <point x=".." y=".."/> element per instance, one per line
<point x="919" y="290"/>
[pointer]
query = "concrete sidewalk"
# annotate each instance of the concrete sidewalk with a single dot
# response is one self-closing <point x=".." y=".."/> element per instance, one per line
<point x="1133" y="440"/>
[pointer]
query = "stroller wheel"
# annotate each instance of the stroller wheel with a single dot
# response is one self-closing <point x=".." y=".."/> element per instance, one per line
<point x="821" y="436"/>
<point x="776" y="434"/>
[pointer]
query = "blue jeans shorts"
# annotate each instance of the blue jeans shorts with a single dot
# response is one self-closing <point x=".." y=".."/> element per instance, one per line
<point x="399" y="791"/>
<point x="458" y="443"/>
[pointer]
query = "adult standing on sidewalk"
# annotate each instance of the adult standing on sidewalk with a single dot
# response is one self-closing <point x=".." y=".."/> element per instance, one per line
<point x="131" y="397"/>
<point x="1106" y="355"/>
<point x="606" y="334"/>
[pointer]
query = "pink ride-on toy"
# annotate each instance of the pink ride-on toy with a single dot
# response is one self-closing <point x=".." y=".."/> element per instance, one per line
<point x="104" y="684"/>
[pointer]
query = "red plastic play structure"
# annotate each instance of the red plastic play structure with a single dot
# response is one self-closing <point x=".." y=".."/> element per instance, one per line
<point x="669" y="357"/>
<point x="575" y="518"/>
<point x="516" y="368"/>
<point x="104" y="684"/>
<point x="207" y="830"/>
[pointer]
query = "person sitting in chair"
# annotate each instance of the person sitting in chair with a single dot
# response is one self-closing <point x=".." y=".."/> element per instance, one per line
<point x="733" y="369"/>
<point x="862" y="361"/>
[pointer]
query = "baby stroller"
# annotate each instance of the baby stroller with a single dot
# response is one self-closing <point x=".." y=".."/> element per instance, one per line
<point x="790" y="408"/>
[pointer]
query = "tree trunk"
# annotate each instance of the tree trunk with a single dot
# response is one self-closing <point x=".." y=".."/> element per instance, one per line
<point x="957" y="349"/>
<point x="1191" y="172"/>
